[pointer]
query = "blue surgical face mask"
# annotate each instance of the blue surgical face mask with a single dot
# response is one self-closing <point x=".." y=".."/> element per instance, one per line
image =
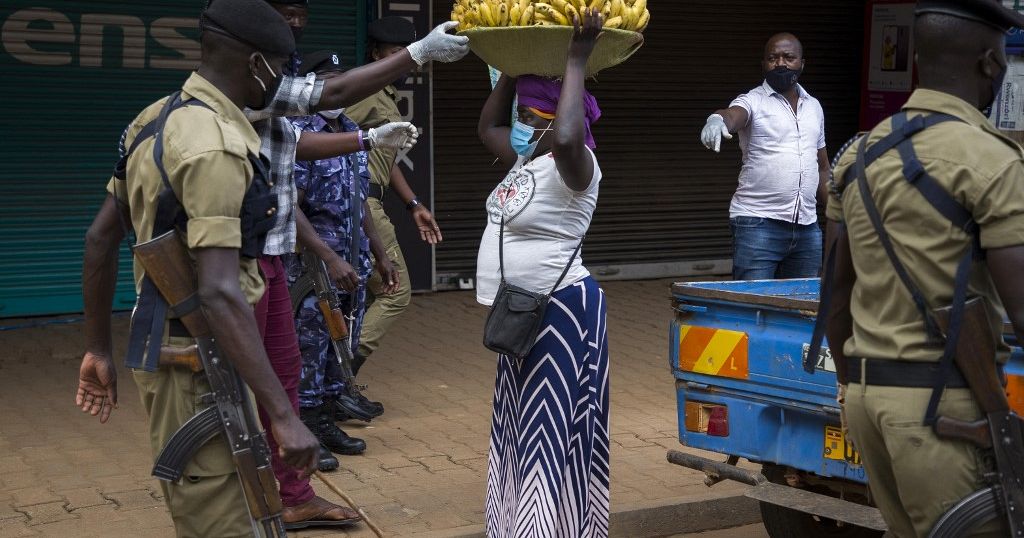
<point x="521" y="137"/>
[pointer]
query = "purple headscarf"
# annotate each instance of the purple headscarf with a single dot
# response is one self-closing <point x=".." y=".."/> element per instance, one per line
<point x="543" y="93"/>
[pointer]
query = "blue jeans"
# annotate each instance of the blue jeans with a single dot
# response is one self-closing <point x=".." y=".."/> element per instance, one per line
<point x="765" y="249"/>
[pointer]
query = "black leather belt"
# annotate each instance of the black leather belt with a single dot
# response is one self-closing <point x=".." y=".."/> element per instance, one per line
<point x="911" y="374"/>
<point x="176" y="329"/>
<point x="376" y="191"/>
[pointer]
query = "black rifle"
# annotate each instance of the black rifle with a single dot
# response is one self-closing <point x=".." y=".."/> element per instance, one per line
<point x="231" y="413"/>
<point x="1001" y="430"/>
<point x="341" y="336"/>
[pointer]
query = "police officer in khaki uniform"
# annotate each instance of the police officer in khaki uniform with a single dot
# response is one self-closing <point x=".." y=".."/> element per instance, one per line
<point x="388" y="35"/>
<point x="207" y="155"/>
<point x="884" y="352"/>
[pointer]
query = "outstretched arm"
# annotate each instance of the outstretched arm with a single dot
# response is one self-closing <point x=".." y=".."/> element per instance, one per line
<point x="359" y="83"/>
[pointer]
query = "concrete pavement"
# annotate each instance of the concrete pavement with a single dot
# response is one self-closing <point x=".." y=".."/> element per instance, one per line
<point x="424" y="473"/>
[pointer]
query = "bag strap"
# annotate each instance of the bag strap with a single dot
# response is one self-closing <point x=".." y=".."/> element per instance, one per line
<point x="824" y="303"/>
<point x="501" y="255"/>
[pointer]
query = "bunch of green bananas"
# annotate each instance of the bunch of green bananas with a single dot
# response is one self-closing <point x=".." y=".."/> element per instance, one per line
<point x="623" y="14"/>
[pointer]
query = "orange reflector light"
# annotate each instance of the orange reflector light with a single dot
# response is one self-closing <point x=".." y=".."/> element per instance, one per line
<point x="707" y="418"/>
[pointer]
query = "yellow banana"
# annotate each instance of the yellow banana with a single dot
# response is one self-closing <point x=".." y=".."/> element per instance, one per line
<point x="514" y="15"/>
<point x="523" y="4"/>
<point x="503" y="14"/>
<point x="485" y="14"/>
<point x="629" y="18"/>
<point x="597" y="4"/>
<point x="466" y="5"/>
<point x="582" y="4"/>
<point x="550" y="12"/>
<point x="616" y="9"/>
<point x="571" y="13"/>
<point x="641" y="25"/>
<point x="541" y="22"/>
<point x="606" y="10"/>
<point x="559" y="5"/>
<point x="526" y="19"/>
<point x="640" y="6"/>
<point x="614" y="22"/>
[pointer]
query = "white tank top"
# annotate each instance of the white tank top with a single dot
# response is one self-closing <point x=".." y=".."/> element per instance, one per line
<point x="544" y="221"/>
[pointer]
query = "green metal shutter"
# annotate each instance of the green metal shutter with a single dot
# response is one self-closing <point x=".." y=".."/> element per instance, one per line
<point x="75" y="74"/>
<point x="664" y="203"/>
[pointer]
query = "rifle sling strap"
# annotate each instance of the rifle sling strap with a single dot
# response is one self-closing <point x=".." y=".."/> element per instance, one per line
<point x="151" y="310"/>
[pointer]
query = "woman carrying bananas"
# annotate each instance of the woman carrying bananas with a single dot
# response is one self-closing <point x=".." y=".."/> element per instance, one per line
<point x="548" y="456"/>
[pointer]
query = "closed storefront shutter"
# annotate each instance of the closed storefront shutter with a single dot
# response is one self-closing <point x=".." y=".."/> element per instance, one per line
<point x="664" y="202"/>
<point x="75" y="74"/>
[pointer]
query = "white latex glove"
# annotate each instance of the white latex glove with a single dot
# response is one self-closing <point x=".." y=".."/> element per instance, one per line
<point x="440" y="46"/>
<point x="397" y="135"/>
<point x="714" y="131"/>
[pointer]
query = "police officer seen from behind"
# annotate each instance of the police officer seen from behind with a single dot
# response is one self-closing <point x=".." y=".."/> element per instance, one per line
<point x="388" y="36"/>
<point x="886" y="352"/>
<point x="208" y="155"/>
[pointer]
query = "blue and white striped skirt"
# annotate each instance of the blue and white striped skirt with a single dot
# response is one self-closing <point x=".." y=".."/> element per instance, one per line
<point x="547" y="473"/>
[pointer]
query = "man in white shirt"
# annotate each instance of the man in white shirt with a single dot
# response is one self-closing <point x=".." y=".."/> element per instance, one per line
<point x="785" y="169"/>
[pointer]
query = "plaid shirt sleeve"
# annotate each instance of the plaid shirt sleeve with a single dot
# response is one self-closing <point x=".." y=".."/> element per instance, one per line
<point x="296" y="96"/>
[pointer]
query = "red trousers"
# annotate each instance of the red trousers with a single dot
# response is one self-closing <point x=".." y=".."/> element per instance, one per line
<point x="277" y="326"/>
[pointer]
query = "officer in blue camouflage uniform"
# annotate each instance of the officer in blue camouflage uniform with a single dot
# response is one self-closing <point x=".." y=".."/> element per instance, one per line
<point x="325" y="196"/>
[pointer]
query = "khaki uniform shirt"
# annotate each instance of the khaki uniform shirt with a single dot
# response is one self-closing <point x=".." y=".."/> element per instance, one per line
<point x="206" y="158"/>
<point x="374" y="111"/>
<point x="983" y="170"/>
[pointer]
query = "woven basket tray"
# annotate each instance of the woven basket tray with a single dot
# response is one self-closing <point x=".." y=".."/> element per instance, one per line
<point x="542" y="50"/>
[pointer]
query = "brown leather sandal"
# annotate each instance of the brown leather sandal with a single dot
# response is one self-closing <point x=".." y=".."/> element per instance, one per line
<point x="318" y="512"/>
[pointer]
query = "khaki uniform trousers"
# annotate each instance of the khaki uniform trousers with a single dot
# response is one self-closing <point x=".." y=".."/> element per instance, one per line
<point x="914" y="476"/>
<point x="208" y="500"/>
<point x="384" y="310"/>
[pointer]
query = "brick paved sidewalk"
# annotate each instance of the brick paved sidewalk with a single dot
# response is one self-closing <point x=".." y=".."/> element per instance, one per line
<point x="63" y="474"/>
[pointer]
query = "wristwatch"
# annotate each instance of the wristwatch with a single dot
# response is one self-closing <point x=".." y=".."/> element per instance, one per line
<point x="412" y="204"/>
<point x="365" y="141"/>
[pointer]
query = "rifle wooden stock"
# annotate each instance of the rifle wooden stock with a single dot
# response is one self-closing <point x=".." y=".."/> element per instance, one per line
<point x="977" y="433"/>
<point x="334" y="319"/>
<point x="184" y="357"/>
<point x="976" y="355"/>
<point x="167" y="263"/>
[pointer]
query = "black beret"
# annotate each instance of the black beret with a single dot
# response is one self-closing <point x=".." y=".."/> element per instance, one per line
<point x="397" y="30"/>
<point x="990" y="12"/>
<point x="252" y="22"/>
<point x="319" y="61"/>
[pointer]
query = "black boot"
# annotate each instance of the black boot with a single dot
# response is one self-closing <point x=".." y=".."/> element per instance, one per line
<point x="375" y="408"/>
<point x="319" y="421"/>
<point x="347" y="406"/>
<point x="336" y="440"/>
<point x="326" y="461"/>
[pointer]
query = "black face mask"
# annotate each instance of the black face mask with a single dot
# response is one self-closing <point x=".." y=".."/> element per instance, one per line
<point x="997" y="88"/>
<point x="297" y="33"/>
<point x="782" y="79"/>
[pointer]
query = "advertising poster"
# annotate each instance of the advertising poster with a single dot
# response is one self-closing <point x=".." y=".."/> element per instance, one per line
<point x="1008" y="111"/>
<point x="889" y="60"/>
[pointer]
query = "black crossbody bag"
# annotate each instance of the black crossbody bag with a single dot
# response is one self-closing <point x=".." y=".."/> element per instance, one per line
<point x="516" y="314"/>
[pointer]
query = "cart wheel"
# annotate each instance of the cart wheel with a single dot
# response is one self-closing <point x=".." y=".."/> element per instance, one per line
<point x="783" y="522"/>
